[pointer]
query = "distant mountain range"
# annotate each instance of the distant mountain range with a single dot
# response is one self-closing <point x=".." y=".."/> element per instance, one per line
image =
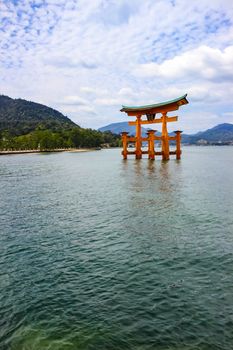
<point x="222" y="133"/>
<point x="117" y="128"/>
<point x="21" y="117"/>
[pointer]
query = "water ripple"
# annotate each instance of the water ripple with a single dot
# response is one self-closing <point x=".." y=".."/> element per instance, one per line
<point x="126" y="255"/>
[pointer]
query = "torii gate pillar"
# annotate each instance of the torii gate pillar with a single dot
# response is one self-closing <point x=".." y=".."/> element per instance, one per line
<point x="138" y="143"/>
<point x="165" y="137"/>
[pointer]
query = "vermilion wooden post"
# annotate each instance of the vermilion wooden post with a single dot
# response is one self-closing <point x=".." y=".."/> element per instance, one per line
<point x="165" y="138"/>
<point x="151" y="147"/>
<point x="148" y="140"/>
<point x="138" y="144"/>
<point x="178" y="141"/>
<point x="124" y="136"/>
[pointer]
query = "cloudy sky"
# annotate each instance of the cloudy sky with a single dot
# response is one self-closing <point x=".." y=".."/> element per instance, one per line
<point x="88" y="57"/>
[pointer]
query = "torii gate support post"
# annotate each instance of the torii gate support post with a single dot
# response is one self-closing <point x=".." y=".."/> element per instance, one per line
<point x="138" y="144"/>
<point x="124" y="136"/>
<point x="151" y="147"/>
<point x="178" y="141"/>
<point x="165" y="137"/>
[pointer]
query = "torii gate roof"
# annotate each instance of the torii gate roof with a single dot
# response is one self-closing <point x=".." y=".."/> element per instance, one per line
<point x="171" y="105"/>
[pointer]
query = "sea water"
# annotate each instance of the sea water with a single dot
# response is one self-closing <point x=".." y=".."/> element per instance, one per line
<point x="101" y="253"/>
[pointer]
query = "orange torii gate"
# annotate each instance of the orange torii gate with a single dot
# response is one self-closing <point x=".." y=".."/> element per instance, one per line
<point x="150" y="111"/>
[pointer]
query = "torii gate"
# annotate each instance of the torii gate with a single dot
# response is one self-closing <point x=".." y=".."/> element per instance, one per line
<point x="150" y="111"/>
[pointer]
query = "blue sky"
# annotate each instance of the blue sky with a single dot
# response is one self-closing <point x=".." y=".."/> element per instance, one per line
<point x="88" y="57"/>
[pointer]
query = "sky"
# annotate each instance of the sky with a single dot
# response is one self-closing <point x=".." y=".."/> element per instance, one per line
<point x="86" y="58"/>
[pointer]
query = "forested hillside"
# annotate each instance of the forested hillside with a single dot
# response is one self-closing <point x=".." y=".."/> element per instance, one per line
<point x="21" y="117"/>
<point x="26" y="125"/>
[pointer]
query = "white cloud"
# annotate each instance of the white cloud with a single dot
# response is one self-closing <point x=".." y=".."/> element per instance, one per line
<point x="228" y="117"/>
<point x="74" y="100"/>
<point x="191" y="122"/>
<point x="94" y="91"/>
<point x="108" y="101"/>
<point x="88" y="109"/>
<point x="228" y="114"/>
<point x="127" y="91"/>
<point x="93" y="56"/>
<point x="201" y="63"/>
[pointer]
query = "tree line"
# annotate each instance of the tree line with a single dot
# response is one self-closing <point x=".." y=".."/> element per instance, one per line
<point x="63" y="139"/>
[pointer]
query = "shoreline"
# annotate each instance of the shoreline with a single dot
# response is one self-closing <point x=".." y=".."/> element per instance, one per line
<point x="2" y="153"/>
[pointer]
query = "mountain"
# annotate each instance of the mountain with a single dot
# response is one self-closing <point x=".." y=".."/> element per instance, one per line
<point x="21" y="117"/>
<point x="219" y="134"/>
<point x="117" y="128"/>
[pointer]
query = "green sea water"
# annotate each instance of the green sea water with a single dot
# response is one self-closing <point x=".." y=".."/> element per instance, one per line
<point x="100" y="253"/>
